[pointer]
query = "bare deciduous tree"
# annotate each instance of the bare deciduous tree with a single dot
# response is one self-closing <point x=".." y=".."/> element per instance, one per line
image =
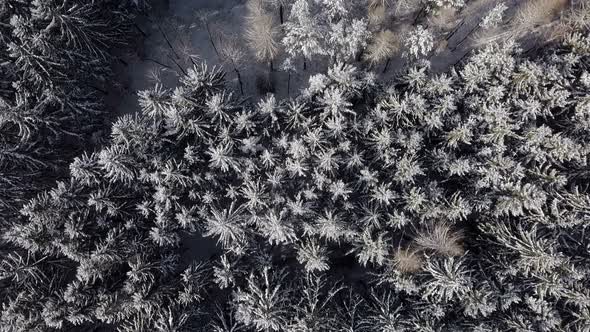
<point x="384" y="45"/>
<point x="407" y="260"/>
<point x="233" y="55"/>
<point x="441" y="239"/>
<point x="262" y="36"/>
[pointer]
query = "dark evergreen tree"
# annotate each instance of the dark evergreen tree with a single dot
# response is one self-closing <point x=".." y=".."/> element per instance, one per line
<point x="54" y="66"/>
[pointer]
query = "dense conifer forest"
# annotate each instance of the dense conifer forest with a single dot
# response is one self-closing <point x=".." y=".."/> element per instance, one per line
<point x="325" y="165"/>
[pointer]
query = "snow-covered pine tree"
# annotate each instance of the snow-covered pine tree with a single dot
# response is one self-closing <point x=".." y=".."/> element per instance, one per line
<point x="55" y="61"/>
<point x="348" y="39"/>
<point x="303" y="33"/>
<point x="113" y="229"/>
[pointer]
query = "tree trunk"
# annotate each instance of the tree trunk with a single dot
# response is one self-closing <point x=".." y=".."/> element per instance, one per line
<point x="289" y="83"/>
<point x="532" y="49"/>
<point x="239" y="81"/>
<point x="158" y="62"/>
<point x="271" y="66"/>
<point x="211" y="39"/>
<point x="454" y="31"/>
<point x="140" y="30"/>
<point x="192" y="61"/>
<point x="359" y="55"/>
<point x="386" y="65"/>
<point x="281" y="13"/>
<point x="464" y="38"/>
<point x="177" y="64"/>
<point x="419" y="14"/>
<point x="168" y="41"/>
<point x="463" y="57"/>
<point x="304" y="63"/>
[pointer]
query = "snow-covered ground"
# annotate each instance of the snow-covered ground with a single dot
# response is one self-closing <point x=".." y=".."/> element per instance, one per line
<point x="176" y="33"/>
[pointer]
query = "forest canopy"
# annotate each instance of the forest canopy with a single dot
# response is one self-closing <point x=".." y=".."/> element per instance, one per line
<point x="381" y="195"/>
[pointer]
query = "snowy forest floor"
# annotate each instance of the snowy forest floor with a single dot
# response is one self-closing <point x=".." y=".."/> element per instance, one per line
<point x="176" y="36"/>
